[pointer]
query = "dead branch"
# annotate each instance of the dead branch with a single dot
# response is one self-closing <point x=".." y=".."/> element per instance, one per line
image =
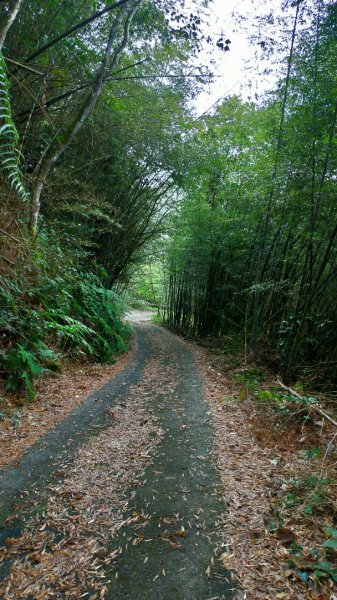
<point x="10" y="236"/>
<point x="315" y="408"/>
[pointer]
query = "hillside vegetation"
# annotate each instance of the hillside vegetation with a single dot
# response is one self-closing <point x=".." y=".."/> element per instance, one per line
<point x="104" y="166"/>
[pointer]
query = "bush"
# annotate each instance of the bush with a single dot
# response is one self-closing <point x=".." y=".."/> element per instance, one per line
<point x="68" y="312"/>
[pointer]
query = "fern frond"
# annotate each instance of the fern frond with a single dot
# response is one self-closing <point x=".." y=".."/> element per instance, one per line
<point x="9" y="137"/>
<point x="27" y="358"/>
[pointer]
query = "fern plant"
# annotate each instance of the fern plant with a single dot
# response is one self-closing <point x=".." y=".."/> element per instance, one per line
<point x="9" y="137"/>
<point x="103" y="310"/>
<point x="64" y="308"/>
<point x="71" y="334"/>
<point x="24" y="365"/>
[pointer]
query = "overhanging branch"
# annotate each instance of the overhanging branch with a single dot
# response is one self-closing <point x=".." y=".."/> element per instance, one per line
<point x="72" y="30"/>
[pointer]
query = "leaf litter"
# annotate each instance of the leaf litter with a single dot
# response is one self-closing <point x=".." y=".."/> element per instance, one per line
<point x="65" y="550"/>
<point x="57" y="395"/>
<point x="271" y="545"/>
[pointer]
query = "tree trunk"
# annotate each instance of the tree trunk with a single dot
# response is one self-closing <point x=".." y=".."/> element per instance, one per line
<point x="56" y="149"/>
<point x="9" y="21"/>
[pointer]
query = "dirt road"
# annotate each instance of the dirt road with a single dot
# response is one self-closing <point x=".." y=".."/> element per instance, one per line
<point x="139" y="316"/>
<point x="165" y="543"/>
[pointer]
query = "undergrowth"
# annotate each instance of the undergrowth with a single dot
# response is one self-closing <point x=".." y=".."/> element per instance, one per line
<point x="52" y="309"/>
<point x="303" y="519"/>
<point x="290" y="426"/>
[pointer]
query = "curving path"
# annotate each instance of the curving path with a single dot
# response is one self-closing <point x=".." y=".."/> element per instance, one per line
<point x="179" y="497"/>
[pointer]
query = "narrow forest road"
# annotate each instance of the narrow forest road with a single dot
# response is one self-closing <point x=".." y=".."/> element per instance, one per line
<point x="164" y="544"/>
<point x="139" y="316"/>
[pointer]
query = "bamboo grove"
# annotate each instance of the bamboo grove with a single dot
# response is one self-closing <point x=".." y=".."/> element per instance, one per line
<point x="255" y="248"/>
<point x="102" y="158"/>
<point x="90" y="95"/>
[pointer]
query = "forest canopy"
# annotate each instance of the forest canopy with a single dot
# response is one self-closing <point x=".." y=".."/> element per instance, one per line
<point x="255" y="249"/>
<point x="104" y="162"/>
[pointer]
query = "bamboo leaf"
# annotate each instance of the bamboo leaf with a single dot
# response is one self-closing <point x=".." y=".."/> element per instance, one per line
<point x="9" y="137"/>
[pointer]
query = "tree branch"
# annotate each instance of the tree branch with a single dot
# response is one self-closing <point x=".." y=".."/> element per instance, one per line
<point x="21" y="66"/>
<point x="316" y="408"/>
<point x="57" y="147"/>
<point x="72" y="30"/>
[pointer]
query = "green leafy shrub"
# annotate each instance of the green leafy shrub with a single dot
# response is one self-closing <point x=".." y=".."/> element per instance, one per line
<point x="63" y="310"/>
<point x="23" y="366"/>
<point x="103" y="309"/>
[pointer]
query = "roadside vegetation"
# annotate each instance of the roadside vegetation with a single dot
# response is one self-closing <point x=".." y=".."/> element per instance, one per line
<point x="90" y="95"/>
<point x="255" y="242"/>
<point x="113" y="193"/>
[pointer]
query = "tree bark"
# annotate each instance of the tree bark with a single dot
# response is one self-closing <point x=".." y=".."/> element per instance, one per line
<point x="56" y="149"/>
<point x="9" y="22"/>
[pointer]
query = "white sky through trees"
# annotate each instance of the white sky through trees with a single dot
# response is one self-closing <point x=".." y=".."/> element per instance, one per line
<point x="235" y="71"/>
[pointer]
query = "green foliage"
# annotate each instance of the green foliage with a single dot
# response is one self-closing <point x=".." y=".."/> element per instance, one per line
<point x="157" y="319"/>
<point x="309" y="498"/>
<point x="254" y="245"/>
<point x="252" y="375"/>
<point x="9" y="137"/>
<point x="331" y="542"/>
<point x="319" y="569"/>
<point x="146" y="287"/>
<point x="23" y="366"/>
<point x="135" y="302"/>
<point x="313" y="452"/>
<point x="251" y="244"/>
<point x="103" y="309"/>
<point x="303" y="401"/>
<point x="65" y="311"/>
<point x="103" y="204"/>
<point x="309" y="495"/>
<point x="268" y="395"/>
